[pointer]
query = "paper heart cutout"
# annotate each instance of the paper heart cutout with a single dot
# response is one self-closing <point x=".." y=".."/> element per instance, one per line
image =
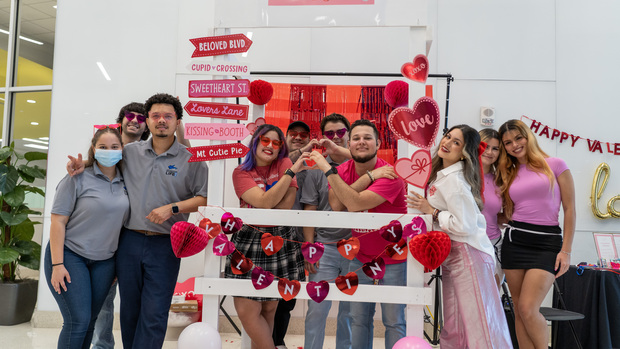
<point x="417" y="126"/>
<point x="317" y="290"/>
<point x="203" y="223"/>
<point x="397" y="250"/>
<point x="261" y="278"/>
<point x="240" y="264"/>
<point x="221" y="245"/>
<point x="396" y="93"/>
<point x="393" y="232"/>
<point x="375" y="269"/>
<point x="230" y="224"/>
<point x="312" y="251"/>
<point x="347" y="283"/>
<point x="416" y="71"/>
<point x="252" y="126"/>
<point x="288" y="288"/>
<point x="416" y="170"/>
<point x="187" y="239"/>
<point x="271" y="244"/>
<point x="430" y="249"/>
<point x="349" y="248"/>
<point x="417" y="226"/>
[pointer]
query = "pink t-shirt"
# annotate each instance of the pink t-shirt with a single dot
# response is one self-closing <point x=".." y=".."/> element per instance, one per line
<point x="263" y="177"/>
<point x="393" y="191"/>
<point x="534" y="201"/>
<point x="492" y="206"/>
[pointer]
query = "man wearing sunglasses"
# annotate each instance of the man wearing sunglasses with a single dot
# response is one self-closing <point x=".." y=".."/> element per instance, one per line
<point x="133" y="123"/>
<point x="298" y="140"/>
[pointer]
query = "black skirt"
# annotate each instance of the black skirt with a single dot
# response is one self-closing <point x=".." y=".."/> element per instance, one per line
<point x="531" y="246"/>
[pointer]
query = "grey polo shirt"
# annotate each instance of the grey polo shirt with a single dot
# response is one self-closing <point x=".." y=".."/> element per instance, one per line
<point x="157" y="180"/>
<point x="97" y="209"/>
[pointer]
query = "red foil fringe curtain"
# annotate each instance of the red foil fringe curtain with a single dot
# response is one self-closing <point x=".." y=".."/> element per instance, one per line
<point x="307" y="104"/>
<point x="373" y="107"/>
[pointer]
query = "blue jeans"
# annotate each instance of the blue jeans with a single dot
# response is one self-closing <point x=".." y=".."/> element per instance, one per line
<point x="331" y="265"/>
<point x="393" y="315"/>
<point x="103" y="338"/>
<point x="147" y="271"/>
<point x="80" y="304"/>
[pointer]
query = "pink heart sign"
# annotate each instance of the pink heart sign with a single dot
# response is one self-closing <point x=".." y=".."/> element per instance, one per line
<point x="375" y="269"/>
<point x="416" y="170"/>
<point x="417" y="126"/>
<point x="317" y="290"/>
<point x="261" y="278"/>
<point x="222" y="247"/>
<point x="392" y="232"/>
<point x="416" y="71"/>
<point x="230" y="224"/>
<point x="416" y="227"/>
<point x="312" y="251"/>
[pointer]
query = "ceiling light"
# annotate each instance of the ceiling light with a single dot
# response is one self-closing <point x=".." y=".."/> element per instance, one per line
<point x="44" y="138"/>
<point x="34" y="123"/>
<point x="23" y="38"/>
<point x="35" y="140"/>
<point x="31" y="101"/>
<point x="103" y="71"/>
<point x="55" y="6"/>
<point x="36" y="146"/>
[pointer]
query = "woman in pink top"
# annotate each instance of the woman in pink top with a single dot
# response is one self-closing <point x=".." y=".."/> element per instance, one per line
<point x="534" y="252"/>
<point x="492" y="200"/>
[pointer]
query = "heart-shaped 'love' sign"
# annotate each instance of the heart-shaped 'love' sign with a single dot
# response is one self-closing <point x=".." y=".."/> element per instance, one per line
<point x="416" y="170"/>
<point x="430" y="249"/>
<point x="312" y="252"/>
<point x="261" y="278"/>
<point x="349" y="248"/>
<point x="240" y="264"/>
<point x="417" y="126"/>
<point x="187" y="239"/>
<point x="375" y="269"/>
<point x="417" y="226"/>
<point x="317" y="290"/>
<point x="221" y="245"/>
<point x="347" y="283"/>
<point x="230" y="224"/>
<point x="416" y="71"/>
<point x="288" y="288"/>
<point x="271" y="244"/>
<point x="392" y="232"/>
<point x="397" y="250"/>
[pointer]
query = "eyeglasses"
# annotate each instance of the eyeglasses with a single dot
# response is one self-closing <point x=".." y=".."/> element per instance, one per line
<point x="340" y="133"/>
<point x="265" y="141"/>
<point x="302" y="134"/>
<point x="101" y="127"/>
<point x="139" y="117"/>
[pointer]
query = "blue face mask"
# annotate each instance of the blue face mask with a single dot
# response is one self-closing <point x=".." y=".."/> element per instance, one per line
<point x="108" y="157"/>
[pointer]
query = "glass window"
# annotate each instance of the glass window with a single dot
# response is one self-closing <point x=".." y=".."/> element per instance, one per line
<point x="1" y="117"/>
<point x="5" y="9"/>
<point x="36" y="44"/>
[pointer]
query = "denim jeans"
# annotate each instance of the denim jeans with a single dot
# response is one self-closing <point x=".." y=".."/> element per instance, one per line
<point x="103" y="337"/>
<point x="331" y="265"/>
<point x="393" y="315"/>
<point x="80" y="304"/>
<point x="147" y="271"/>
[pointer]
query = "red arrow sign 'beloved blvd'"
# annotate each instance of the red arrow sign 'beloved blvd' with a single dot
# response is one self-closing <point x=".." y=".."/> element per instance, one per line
<point x="220" y="45"/>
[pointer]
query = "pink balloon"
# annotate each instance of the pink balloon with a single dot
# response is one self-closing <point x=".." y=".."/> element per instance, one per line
<point x="412" y="342"/>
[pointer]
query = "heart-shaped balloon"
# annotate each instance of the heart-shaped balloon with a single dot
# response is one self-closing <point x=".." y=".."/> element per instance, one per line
<point x="396" y="93"/>
<point x="221" y="245"/>
<point x="317" y="290"/>
<point x="347" y="283"/>
<point x="397" y="250"/>
<point x="417" y="126"/>
<point x="430" y="249"/>
<point x="271" y="244"/>
<point x="261" y="278"/>
<point x="312" y="251"/>
<point x="416" y="170"/>
<point x="252" y="126"/>
<point x="375" y="269"/>
<point x="393" y="232"/>
<point x="416" y="71"/>
<point x="187" y="239"/>
<point x="349" y="248"/>
<point x="417" y="226"/>
<point x="240" y="264"/>
<point x="231" y="224"/>
<point x="288" y="288"/>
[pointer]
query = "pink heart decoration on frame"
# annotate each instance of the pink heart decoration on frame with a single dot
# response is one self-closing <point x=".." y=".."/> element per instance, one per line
<point x="375" y="269"/>
<point x="312" y="252"/>
<point x="397" y="250"/>
<point x="317" y="290"/>
<point x="416" y="71"/>
<point x="347" y="283"/>
<point x="252" y="126"/>
<point x="416" y="170"/>
<point x="261" y="278"/>
<point x="240" y="264"/>
<point x="416" y="227"/>
<point x="230" y="224"/>
<point x="417" y="126"/>
<point x="221" y="245"/>
<point x="392" y="232"/>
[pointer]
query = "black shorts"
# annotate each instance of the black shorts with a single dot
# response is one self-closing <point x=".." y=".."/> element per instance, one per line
<point x="531" y="246"/>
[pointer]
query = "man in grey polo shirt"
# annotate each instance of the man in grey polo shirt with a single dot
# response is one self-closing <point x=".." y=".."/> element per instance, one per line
<point x="163" y="189"/>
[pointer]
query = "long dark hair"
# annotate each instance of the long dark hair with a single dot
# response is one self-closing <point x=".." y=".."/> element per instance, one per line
<point x="93" y="143"/>
<point x="249" y="162"/>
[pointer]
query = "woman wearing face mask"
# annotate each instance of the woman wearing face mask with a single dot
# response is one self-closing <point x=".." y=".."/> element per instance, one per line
<point x="86" y="223"/>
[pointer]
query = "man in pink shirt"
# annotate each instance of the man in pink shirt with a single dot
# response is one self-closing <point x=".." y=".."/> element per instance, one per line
<point x="353" y="187"/>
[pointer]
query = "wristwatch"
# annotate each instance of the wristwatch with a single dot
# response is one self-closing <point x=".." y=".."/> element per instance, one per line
<point x="331" y="171"/>
<point x="175" y="209"/>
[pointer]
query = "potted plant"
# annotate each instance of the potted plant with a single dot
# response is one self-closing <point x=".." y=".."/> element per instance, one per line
<point x="18" y="297"/>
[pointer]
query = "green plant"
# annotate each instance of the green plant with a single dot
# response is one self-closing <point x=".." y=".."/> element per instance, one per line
<point x="16" y="229"/>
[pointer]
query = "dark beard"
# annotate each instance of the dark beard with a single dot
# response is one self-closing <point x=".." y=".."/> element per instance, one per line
<point x="363" y="159"/>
